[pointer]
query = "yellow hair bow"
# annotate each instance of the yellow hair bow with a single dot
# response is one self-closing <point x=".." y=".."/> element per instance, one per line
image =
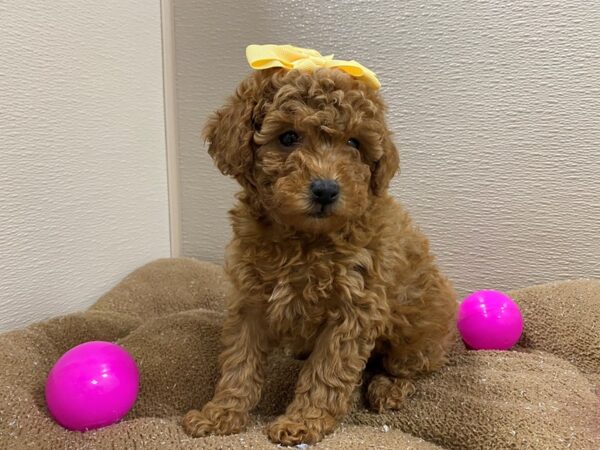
<point x="262" y="57"/>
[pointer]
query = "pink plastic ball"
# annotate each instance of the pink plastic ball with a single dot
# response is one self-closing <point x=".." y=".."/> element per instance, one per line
<point x="93" y="385"/>
<point x="489" y="320"/>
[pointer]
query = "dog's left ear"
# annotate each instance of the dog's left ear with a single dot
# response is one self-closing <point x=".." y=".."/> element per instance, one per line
<point x="386" y="167"/>
<point x="230" y="130"/>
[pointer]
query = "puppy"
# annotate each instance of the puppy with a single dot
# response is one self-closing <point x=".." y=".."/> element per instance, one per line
<point x="323" y="260"/>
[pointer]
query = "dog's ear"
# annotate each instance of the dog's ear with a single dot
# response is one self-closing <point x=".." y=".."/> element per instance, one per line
<point x="230" y="130"/>
<point x="385" y="167"/>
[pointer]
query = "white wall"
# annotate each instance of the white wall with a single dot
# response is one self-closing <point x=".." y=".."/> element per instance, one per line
<point x="83" y="189"/>
<point x="495" y="105"/>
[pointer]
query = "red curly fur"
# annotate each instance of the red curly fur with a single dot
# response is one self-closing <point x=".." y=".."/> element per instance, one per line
<point x="357" y="283"/>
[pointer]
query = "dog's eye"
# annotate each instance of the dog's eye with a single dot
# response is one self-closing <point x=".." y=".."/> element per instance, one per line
<point x="353" y="142"/>
<point x="289" y="139"/>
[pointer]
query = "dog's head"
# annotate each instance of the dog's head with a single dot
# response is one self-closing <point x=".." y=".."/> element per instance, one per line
<point x="312" y="147"/>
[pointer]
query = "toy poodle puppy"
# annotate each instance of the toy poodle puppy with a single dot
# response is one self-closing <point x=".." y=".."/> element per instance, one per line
<point x="323" y="260"/>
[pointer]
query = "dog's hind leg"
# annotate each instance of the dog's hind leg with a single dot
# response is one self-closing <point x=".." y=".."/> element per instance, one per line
<point x="417" y="343"/>
<point x="389" y="388"/>
<point x="386" y="392"/>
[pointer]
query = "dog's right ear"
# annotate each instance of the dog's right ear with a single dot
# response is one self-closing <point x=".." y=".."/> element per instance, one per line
<point x="230" y="130"/>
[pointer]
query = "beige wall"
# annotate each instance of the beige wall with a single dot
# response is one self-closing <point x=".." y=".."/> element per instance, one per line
<point x="495" y="105"/>
<point x="83" y="192"/>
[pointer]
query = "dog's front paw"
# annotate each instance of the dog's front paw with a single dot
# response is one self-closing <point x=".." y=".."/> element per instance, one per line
<point x="288" y="430"/>
<point x="214" y="420"/>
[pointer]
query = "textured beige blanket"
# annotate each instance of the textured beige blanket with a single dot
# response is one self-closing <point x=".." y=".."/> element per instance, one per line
<point x="167" y="314"/>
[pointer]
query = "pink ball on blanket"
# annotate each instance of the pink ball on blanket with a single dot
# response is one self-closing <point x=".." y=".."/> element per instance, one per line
<point x="92" y="385"/>
<point x="489" y="320"/>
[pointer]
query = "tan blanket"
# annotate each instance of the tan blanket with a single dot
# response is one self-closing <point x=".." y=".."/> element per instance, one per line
<point x="167" y="314"/>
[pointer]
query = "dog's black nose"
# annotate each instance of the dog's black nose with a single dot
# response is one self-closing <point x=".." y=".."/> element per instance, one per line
<point x="325" y="192"/>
